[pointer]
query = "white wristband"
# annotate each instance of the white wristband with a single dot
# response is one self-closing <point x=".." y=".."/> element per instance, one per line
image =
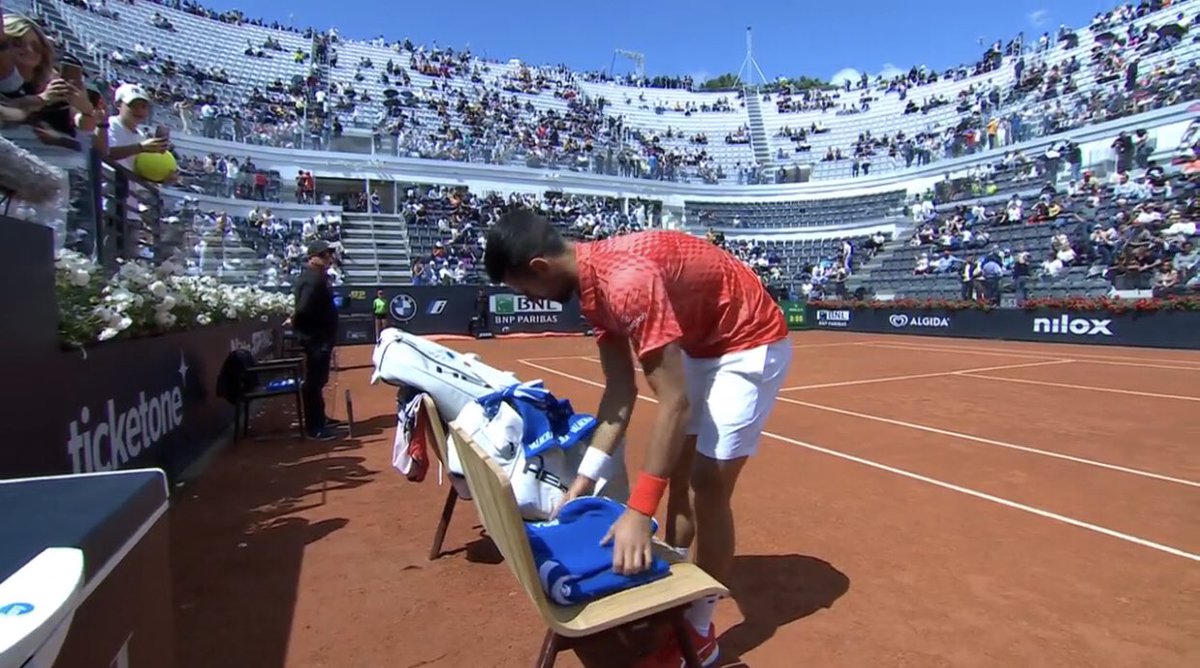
<point x="594" y="464"/>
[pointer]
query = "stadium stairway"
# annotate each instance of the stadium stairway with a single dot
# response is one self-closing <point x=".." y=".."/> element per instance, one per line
<point x="74" y="45"/>
<point x="898" y="240"/>
<point x="375" y="249"/>
<point x="229" y="259"/>
<point x="758" y="131"/>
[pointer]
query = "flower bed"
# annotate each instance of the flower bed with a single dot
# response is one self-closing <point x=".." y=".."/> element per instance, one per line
<point x="1105" y="304"/>
<point x="141" y="299"/>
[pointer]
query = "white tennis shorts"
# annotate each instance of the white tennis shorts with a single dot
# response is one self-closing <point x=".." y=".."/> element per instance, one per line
<point x="731" y="397"/>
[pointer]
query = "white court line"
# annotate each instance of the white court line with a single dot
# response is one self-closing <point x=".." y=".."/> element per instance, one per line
<point x="560" y="357"/>
<point x="935" y="482"/>
<point x="1072" y="353"/>
<point x="998" y="352"/>
<point x="1112" y="390"/>
<point x="831" y="345"/>
<point x="915" y="376"/>
<point x="980" y="439"/>
<point x="999" y="444"/>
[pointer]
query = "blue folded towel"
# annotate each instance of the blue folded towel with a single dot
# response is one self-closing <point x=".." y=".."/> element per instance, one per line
<point x="572" y="565"/>
<point x="548" y="422"/>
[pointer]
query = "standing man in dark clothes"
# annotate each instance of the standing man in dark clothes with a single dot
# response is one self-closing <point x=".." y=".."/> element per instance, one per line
<point x="315" y="322"/>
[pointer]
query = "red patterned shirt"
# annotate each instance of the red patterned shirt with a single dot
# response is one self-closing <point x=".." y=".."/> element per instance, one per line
<point x="659" y="287"/>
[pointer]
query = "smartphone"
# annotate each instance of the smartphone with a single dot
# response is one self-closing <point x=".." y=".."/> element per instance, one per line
<point x="162" y="132"/>
<point x="71" y="72"/>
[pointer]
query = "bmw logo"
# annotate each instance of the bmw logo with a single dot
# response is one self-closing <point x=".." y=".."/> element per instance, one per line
<point x="403" y="307"/>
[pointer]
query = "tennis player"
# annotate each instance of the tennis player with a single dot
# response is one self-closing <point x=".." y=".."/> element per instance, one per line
<point x="713" y="346"/>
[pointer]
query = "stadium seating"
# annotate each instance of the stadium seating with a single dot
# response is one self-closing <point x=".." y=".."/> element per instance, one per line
<point x="444" y="102"/>
<point x="224" y="77"/>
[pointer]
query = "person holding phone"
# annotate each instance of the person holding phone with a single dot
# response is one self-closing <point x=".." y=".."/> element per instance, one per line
<point x="125" y="139"/>
<point x="28" y="79"/>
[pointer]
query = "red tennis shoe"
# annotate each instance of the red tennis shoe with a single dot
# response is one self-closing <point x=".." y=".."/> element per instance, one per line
<point x="670" y="655"/>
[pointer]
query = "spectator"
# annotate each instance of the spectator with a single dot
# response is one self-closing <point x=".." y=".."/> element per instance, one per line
<point x="125" y="141"/>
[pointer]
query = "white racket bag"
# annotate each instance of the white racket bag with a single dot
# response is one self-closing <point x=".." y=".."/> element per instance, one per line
<point x="538" y="482"/>
<point x="452" y="379"/>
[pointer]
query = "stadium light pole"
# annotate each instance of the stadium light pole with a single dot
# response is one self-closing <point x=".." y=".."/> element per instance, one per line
<point x="749" y="65"/>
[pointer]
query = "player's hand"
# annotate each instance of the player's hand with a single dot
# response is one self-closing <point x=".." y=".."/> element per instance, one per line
<point x="582" y="486"/>
<point x="631" y="540"/>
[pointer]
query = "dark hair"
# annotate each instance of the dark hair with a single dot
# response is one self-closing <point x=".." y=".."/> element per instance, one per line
<point x="518" y="237"/>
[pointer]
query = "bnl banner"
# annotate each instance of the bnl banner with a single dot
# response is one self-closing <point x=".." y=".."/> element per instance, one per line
<point x="516" y="313"/>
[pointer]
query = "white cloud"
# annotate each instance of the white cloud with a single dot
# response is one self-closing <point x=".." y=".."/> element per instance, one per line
<point x="845" y="74"/>
<point x="1038" y="17"/>
<point x="890" y="71"/>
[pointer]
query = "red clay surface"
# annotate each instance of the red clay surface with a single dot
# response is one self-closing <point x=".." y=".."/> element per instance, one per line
<point x="917" y="502"/>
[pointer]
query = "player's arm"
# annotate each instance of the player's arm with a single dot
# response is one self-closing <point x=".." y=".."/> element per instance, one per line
<point x="620" y="393"/>
<point x="647" y="315"/>
<point x="612" y="418"/>
<point x="664" y="371"/>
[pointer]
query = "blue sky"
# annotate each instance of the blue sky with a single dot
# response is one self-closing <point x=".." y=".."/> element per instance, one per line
<point x="697" y="37"/>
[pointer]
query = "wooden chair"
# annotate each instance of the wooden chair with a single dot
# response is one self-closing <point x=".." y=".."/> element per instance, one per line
<point x="436" y="438"/>
<point x="664" y="599"/>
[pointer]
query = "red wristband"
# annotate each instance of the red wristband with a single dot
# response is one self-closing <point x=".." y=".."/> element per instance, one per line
<point x="647" y="493"/>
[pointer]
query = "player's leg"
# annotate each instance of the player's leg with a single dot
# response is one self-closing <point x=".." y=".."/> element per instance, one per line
<point x="714" y="481"/>
<point x="740" y="397"/>
<point x="681" y="525"/>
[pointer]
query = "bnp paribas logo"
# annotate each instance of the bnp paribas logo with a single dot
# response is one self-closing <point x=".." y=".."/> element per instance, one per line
<point x="517" y="305"/>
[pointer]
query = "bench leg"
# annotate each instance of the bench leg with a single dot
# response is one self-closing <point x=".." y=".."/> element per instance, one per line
<point x="444" y="523"/>
<point x="551" y="646"/>
<point x="690" y="658"/>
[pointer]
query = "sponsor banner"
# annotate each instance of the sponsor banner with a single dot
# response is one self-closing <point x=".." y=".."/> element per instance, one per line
<point x="1164" y="329"/>
<point x="449" y="309"/>
<point x="837" y="318"/>
<point x="515" y="313"/>
<point x="140" y="403"/>
<point x="906" y="321"/>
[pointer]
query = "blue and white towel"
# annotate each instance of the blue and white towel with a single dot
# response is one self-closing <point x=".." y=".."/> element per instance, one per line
<point x="548" y="422"/>
<point x="572" y="565"/>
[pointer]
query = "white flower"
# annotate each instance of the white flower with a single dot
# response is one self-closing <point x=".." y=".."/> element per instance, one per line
<point x="164" y="318"/>
<point x="80" y="278"/>
<point x="107" y="333"/>
<point x="167" y="303"/>
<point x="231" y="313"/>
<point x="203" y="319"/>
<point x="158" y="289"/>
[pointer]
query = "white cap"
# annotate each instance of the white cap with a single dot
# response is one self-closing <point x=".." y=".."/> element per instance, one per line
<point x="128" y="93"/>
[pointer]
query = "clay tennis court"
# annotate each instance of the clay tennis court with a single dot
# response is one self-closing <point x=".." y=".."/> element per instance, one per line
<point x="916" y="502"/>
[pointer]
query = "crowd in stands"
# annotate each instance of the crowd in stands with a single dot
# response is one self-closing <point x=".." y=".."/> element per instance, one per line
<point x="461" y="219"/>
<point x="470" y="109"/>
<point x="824" y="275"/>
<point x="1135" y="228"/>
<point x="1044" y="98"/>
<point x="467" y="112"/>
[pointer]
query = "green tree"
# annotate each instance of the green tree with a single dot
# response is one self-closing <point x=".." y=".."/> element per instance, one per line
<point x="727" y="81"/>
